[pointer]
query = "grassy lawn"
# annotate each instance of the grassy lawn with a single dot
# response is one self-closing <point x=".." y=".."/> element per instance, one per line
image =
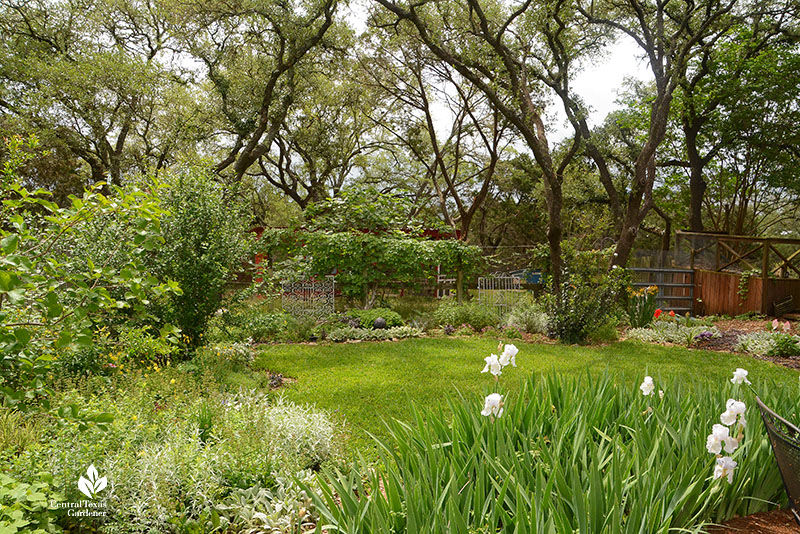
<point x="369" y="382"/>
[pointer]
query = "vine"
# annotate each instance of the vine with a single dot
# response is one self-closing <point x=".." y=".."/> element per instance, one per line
<point x="744" y="284"/>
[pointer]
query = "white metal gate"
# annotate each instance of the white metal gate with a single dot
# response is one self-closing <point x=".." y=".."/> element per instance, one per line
<point x="500" y="292"/>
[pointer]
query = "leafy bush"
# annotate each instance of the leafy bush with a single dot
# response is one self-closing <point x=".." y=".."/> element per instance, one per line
<point x="472" y="313"/>
<point x="206" y="241"/>
<point x="567" y="455"/>
<point x="140" y="347"/>
<point x="604" y="333"/>
<point x="530" y="318"/>
<point x="583" y="305"/>
<point x="349" y="333"/>
<point x="53" y="296"/>
<point x="672" y="332"/>
<point x="367" y="317"/>
<point x="785" y="345"/>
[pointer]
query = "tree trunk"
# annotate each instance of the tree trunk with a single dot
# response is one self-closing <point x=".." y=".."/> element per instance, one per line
<point x="697" y="186"/>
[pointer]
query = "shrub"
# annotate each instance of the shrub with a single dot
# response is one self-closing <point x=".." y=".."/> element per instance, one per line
<point x="604" y="333"/>
<point x="784" y="345"/>
<point x="206" y="242"/>
<point x="583" y="305"/>
<point x="367" y="318"/>
<point x="52" y="294"/>
<point x="472" y="313"/>
<point x="553" y="460"/>
<point x="140" y="347"/>
<point x="530" y="318"/>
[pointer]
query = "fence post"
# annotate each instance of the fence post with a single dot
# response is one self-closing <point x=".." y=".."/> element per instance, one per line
<point x="764" y="273"/>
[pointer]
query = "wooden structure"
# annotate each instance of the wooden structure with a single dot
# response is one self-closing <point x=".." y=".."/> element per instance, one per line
<point x="739" y="274"/>
<point x="675" y="287"/>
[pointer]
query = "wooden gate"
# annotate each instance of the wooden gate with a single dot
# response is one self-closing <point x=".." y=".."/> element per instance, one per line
<point x="675" y="287"/>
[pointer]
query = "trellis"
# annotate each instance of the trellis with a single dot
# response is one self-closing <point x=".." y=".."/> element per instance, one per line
<point x="501" y="292"/>
<point x="309" y="298"/>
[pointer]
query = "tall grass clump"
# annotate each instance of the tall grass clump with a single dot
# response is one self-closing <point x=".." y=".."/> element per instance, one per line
<point x="587" y="456"/>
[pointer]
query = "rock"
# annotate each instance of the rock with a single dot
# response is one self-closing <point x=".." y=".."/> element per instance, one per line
<point x="380" y="322"/>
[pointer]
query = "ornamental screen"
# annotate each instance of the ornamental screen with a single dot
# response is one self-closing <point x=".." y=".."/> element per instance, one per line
<point x="309" y="298"/>
<point x="500" y="292"/>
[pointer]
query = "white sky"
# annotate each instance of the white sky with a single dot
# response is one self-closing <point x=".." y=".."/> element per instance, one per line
<point x="597" y="84"/>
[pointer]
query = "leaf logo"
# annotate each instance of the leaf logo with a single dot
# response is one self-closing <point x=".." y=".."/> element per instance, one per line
<point x="93" y="484"/>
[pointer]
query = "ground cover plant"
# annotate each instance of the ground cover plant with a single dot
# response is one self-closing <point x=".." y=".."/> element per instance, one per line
<point x="186" y="451"/>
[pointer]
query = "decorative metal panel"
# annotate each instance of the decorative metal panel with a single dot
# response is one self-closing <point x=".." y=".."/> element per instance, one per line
<point x="309" y="298"/>
<point x="500" y="292"/>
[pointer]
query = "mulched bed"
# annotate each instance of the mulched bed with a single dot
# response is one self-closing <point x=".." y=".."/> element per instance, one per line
<point x="775" y="522"/>
<point x="731" y="329"/>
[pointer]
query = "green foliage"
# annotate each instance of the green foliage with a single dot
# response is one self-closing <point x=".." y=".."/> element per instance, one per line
<point x="584" y="304"/>
<point x="24" y="507"/>
<point x="769" y="343"/>
<point x="367" y="317"/>
<point x="52" y="297"/>
<point x="364" y="261"/>
<point x="529" y="317"/>
<point x="199" y="441"/>
<point x="784" y="345"/>
<point x="363" y="209"/>
<point x="471" y="313"/>
<point x="206" y="241"/>
<point x="567" y="455"/>
<point x="349" y="333"/>
<point x="672" y="332"/>
<point x="641" y="306"/>
<point x="17" y="431"/>
<point x="744" y="284"/>
<point x="140" y="347"/>
<point x="605" y="332"/>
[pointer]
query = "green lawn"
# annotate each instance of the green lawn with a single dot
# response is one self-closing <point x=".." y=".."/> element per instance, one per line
<point x="366" y="383"/>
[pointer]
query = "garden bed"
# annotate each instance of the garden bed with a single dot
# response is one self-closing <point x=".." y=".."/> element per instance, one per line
<point x="774" y="522"/>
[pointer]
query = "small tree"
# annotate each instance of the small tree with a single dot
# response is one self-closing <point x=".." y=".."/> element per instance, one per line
<point x="206" y="241"/>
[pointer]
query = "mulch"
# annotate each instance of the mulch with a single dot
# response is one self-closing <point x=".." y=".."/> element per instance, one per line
<point x="774" y="522"/>
<point x="731" y="329"/>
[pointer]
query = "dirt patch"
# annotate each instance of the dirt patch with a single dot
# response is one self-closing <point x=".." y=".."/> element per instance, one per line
<point x="731" y="329"/>
<point x="775" y="522"/>
<point x="726" y="342"/>
<point x="745" y="326"/>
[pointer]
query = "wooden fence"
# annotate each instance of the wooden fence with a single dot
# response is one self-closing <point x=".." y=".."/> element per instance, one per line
<point x="675" y="287"/>
<point x="720" y="293"/>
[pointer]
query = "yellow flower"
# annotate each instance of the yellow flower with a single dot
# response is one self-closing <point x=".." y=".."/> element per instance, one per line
<point x="134" y="418"/>
<point x="172" y="381"/>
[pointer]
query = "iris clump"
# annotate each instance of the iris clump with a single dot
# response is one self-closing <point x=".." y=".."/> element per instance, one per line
<point x="589" y="455"/>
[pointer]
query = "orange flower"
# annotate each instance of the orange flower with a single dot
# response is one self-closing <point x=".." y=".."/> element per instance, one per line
<point x="672" y="313"/>
<point x="657" y="314"/>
